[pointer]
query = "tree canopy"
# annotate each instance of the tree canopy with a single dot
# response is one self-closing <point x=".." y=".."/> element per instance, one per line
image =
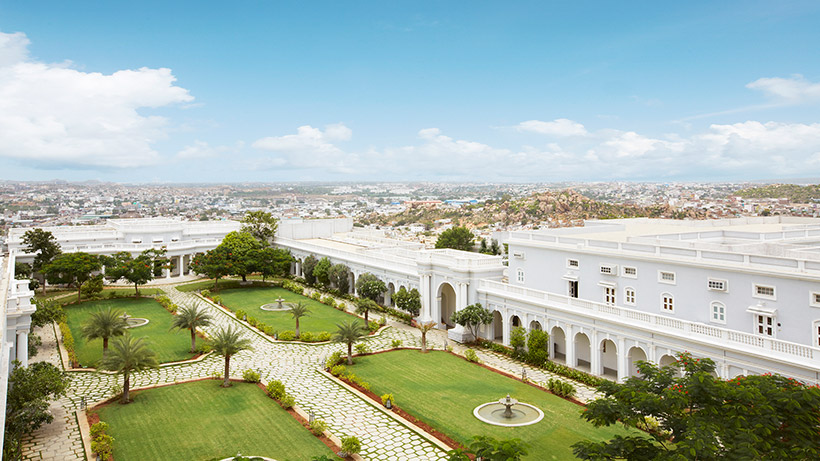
<point x="273" y="262"/>
<point x="338" y="275"/>
<point x="369" y="286"/>
<point x="45" y="245"/>
<point x="122" y="265"/>
<point x="322" y="271"/>
<point x="72" y="268"/>
<point x="457" y="238"/>
<point x="699" y="416"/>
<point x="261" y="225"/>
<point x="241" y="253"/>
<point x="214" y="263"/>
<point x="307" y="267"/>
<point x="409" y="301"/>
<point x="472" y="317"/>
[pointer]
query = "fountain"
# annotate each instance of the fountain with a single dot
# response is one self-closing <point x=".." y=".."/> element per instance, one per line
<point x="133" y="322"/>
<point x="508" y="412"/>
<point x="279" y="305"/>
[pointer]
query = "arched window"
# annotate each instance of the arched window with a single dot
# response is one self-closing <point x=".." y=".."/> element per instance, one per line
<point x="816" y="332"/>
<point x="519" y="275"/>
<point x="668" y="302"/>
<point x="717" y="312"/>
<point x="629" y="296"/>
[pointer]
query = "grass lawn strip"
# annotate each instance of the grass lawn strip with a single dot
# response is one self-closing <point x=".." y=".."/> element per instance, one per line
<point x="201" y="420"/>
<point x="321" y="317"/>
<point x="443" y="390"/>
<point x="170" y="346"/>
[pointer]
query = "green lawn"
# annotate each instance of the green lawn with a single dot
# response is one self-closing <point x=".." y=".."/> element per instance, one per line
<point x="201" y="420"/>
<point x="443" y="390"/>
<point x="170" y="346"/>
<point x="321" y="317"/>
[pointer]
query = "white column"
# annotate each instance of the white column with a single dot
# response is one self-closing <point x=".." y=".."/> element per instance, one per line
<point x="620" y="359"/>
<point x="569" y="339"/>
<point x="167" y="273"/>
<point x="22" y="347"/>
<point x="426" y="302"/>
<point x="595" y="354"/>
<point x="506" y="330"/>
<point x="462" y="295"/>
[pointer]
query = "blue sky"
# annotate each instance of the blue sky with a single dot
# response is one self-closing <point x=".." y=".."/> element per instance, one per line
<point x="463" y="91"/>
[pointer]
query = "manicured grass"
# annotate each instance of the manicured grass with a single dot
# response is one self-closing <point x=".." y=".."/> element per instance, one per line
<point x="443" y="391"/>
<point x="209" y="285"/>
<point x="201" y="420"/>
<point x="38" y="293"/>
<point x="170" y="346"/>
<point x="321" y="317"/>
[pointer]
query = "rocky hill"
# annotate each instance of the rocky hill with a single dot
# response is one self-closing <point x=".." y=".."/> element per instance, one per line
<point x="555" y="209"/>
<point x="793" y="192"/>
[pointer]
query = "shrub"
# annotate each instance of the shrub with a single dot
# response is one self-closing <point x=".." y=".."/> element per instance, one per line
<point x="287" y="335"/>
<point x="275" y="389"/>
<point x="306" y="337"/>
<point x="389" y="397"/>
<point x="337" y="370"/>
<point x="251" y="376"/>
<point x="287" y="401"/>
<point x="318" y="426"/>
<point x="217" y="299"/>
<point x="538" y="348"/>
<point x="518" y="338"/>
<point x="471" y="356"/>
<point x="362" y="348"/>
<point x="396" y="343"/>
<point x="252" y="321"/>
<point x="240" y="314"/>
<point x="329" y="301"/>
<point x="351" y="445"/>
<point x="98" y="429"/>
<point x="103" y="446"/>
<point x="335" y="358"/>
<point x="205" y="293"/>
<point x="173" y="308"/>
<point x="323" y="336"/>
<point x="202" y="347"/>
<point x="269" y="330"/>
<point x="316" y="296"/>
<point x="560" y="388"/>
<point x="373" y="326"/>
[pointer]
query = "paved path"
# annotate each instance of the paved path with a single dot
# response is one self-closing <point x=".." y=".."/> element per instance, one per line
<point x="296" y="365"/>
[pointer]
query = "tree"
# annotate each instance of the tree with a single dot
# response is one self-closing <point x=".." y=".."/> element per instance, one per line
<point x="483" y="248"/>
<point x="457" y="238"/>
<point x="364" y="306"/>
<point x="472" y="317"/>
<point x="72" y="268"/>
<point x="228" y="342"/>
<point x="22" y="271"/>
<point x="494" y="248"/>
<point x="518" y="339"/>
<point x="261" y="225"/>
<point x="538" y="347"/>
<point x="122" y="265"/>
<point x="129" y="355"/>
<point x="241" y="252"/>
<point x="298" y="311"/>
<point x="214" y="264"/>
<point x="322" y="271"/>
<point x="307" y="268"/>
<point x="409" y="301"/>
<point x="349" y="333"/>
<point x="104" y="324"/>
<point x="29" y="391"/>
<point x="273" y="262"/>
<point x="48" y="310"/>
<point x="698" y="416"/>
<point x="45" y="245"/>
<point x="425" y="328"/>
<point x="490" y="449"/>
<point x="369" y="286"/>
<point x="339" y="277"/>
<point x="191" y="317"/>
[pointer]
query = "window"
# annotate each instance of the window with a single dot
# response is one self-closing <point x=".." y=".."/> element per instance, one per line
<point x="609" y="295"/>
<point x="764" y="291"/>
<point x="668" y="302"/>
<point x="718" y="312"/>
<point x="765" y="325"/>
<point x="572" y="264"/>
<point x="609" y="269"/>
<point x="572" y="289"/>
<point x="814" y="299"/>
<point x="816" y="332"/>
<point x="629" y="296"/>
<point x="519" y="275"/>
<point x="716" y="284"/>
<point x="666" y="277"/>
<point x="630" y="272"/>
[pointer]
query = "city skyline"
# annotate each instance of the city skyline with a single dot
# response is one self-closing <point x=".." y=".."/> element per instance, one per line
<point x="405" y="92"/>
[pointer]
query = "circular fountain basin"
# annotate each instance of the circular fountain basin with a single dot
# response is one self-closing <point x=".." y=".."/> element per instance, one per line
<point x="132" y="322"/>
<point x="273" y="307"/>
<point x="523" y="414"/>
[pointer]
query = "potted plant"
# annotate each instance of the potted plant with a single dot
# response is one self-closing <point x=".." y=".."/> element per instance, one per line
<point x="350" y="446"/>
<point x="388" y="401"/>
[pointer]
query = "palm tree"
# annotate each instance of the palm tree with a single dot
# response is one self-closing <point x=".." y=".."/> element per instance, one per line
<point x="424" y="328"/>
<point x="227" y="342"/>
<point x="104" y="324"/>
<point x="349" y="333"/>
<point x="128" y="355"/>
<point x="298" y="310"/>
<point x="191" y="317"/>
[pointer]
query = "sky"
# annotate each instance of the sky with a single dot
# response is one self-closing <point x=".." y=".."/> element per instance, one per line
<point x="517" y="91"/>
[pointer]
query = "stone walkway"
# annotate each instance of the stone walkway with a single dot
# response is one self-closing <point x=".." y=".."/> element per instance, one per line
<point x="296" y="365"/>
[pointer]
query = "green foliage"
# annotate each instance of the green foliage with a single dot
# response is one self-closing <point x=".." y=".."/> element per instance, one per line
<point x="518" y="338"/>
<point x="538" y="344"/>
<point x="369" y="286"/>
<point x="217" y="299"/>
<point x="104" y="324"/>
<point x="206" y="293"/>
<point x="139" y="270"/>
<point x="703" y="417"/>
<point x="307" y="337"/>
<point x="214" y="263"/>
<point x="240" y="314"/>
<point x="388" y="397"/>
<point x="473" y="317"/>
<point x="316" y="296"/>
<point x="191" y="317"/>
<point x="363" y="348"/>
<point x="457" y="238"/>
<point x="307" y="267"/>
<point x="27" y="403"/>
<point x="251" y="376"/>
<point x="22" y="271"/>
<point x="228" y="342"/>
<point x="261" y="225"/>
<point x="276" y="389"/>
<point x="323" y="336"/>
<point x="348" y="333"/>
<point x="373" y="327"/>
<point x="287" y="401"/>
<point x="471" y="356"/>
<point x="396" y="343"/>
<point x="48" y="310"/>
<point x="364" y="306"/>
<point x="103" y="446"/>
<point x="339" y="277"/>
<point x="287" y="335"/>
<point x="72" y="268"/>
<point x="351" y="445"/>
<point x="241" y="253"/>
<point x="322" y="271"/>
<point x="298" y="311"/>
<point x="318" y="426"/>
<point x="548" y="365"/>
<point x="44" y="246"/>
<point x="488" y="448"/>
<point x="98" y="429"/>
<point x="329" y="301"/>
<point x="338" y="370"/>
<point x="793" y="192"/>
<point x="128" y="355"/>
<point x="409" y="301"/>
<point x="335" y="359"/>
<point x="561" y="388"/>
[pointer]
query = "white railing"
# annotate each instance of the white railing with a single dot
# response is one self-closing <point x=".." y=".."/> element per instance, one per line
<point x="660" y="323"/>
<point x="375" y="259"/>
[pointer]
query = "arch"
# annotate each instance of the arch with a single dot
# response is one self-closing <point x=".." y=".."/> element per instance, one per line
<point x="667" y="302"/>
<point x="498" y="326"/>
<point x="535" y="325"/>
<point x="388" y="297"/>
<point x="351" y="277"/>
<point x="515" y="321"/>
<point x="717" y="312"/>
<point x="447" y="303"/>
<point x="667" y="360"/>
<point x="635" y="354"/>
<point x="609" y="358"/>
<point x="583" y="352"/>
<point x="558" y="351"/>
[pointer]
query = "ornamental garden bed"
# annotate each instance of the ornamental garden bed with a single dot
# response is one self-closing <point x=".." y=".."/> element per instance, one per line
<point x="201" y="420"/>
<point x="170" y="346"/>
<point x="441" y="390"/>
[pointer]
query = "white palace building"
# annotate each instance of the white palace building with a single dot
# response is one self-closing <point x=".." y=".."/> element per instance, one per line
<point x="744" y="292"/>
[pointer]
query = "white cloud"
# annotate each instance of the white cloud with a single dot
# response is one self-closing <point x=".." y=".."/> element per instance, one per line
<point x="557" y="127"/>
<point x="793" y="90"/>
<point x="55" y="116"/>
<point x="202" y="150"/>
<point x="310" y="148"/>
